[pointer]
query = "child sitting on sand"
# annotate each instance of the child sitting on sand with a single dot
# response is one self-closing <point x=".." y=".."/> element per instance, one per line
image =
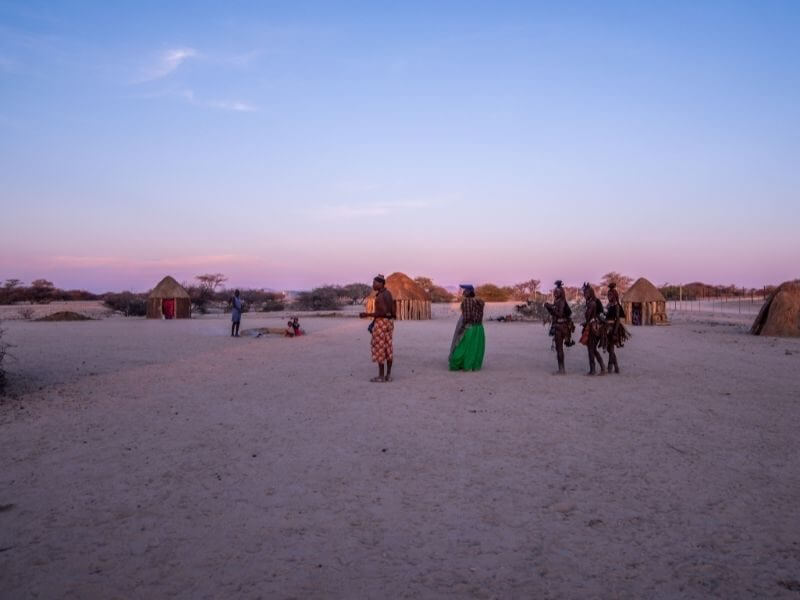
<point x="293" y="328"/>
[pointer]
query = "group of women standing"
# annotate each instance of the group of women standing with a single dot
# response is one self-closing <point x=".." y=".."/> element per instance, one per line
<point x="602" y="328"/>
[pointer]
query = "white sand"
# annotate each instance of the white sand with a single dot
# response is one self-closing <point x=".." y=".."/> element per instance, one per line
<point x="151" y="459"/>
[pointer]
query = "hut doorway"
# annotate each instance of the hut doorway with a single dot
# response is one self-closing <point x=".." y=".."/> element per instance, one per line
<point x="168" y="308"/>
<point x="636" y="313"/>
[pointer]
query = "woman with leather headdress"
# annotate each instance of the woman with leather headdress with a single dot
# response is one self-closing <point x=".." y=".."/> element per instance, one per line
<point x="562" y="325"/>
<point x="593" y="329"/>
<point x="616" y="334"/>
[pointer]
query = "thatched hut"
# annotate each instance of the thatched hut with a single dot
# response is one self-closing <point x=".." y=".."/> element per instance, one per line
<point x="410" y="300"/>
<point x="780" y="314"/>
<point x="644" y="304"/>
<point x="169" y="300"/>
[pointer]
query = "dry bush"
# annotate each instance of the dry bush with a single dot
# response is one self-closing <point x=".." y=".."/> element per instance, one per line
<point x="128" y="303"/>
<point x="26" y="312"/>
<point x="327" y="297"/>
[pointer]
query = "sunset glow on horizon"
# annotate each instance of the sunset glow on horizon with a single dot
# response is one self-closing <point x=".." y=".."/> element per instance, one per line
<point x="288" y="147"/>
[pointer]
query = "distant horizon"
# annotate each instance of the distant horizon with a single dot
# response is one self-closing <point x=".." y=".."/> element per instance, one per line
<point x="68" y="283"/>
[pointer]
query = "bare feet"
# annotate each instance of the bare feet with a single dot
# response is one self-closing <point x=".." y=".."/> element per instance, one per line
<point x="377" y="380"/>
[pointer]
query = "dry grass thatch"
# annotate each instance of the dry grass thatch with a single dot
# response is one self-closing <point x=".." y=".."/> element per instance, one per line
<point x="643" y="291"/>
<point x="411" y="301"/>
<point x="780" y="314"/>
<point x="403" y="287"/>
<point x="648" y="301"/>
<point x="168" y="288"/>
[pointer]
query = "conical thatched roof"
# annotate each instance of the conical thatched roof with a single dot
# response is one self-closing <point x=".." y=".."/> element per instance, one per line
<point x="403" y="287"/>
<point x="643" y="291"/>
<point x="168" y="288"/>
<point x="780" y="315"/>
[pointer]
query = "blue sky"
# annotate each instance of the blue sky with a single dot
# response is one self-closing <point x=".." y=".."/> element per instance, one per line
<point x="288" y="145"/>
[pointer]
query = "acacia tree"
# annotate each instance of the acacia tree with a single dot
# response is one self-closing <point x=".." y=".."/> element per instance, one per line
<point x="11" y="291"/>
<point x="526" y="289"/>
<point x="325" y="297"/>
<point x="357" y="292"/>
<point x="436" y="293"/>
<point x="202" y="295"/>
<point x="41" y="290"/>
<point x="623" y="281"/>
<point x="493" y="293"/>
<point x="211" y="280"/>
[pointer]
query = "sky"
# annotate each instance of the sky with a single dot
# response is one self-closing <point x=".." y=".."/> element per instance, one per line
<point x="293" y="144"/>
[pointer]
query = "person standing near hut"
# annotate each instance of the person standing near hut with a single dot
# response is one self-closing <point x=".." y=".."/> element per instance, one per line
<point x="236" y="313"/>
<point x="382" y="329"/>
<point x="616" y="334"/>
<point x="593" y="328"/>
<point x="563" y="326"/>
<point x="469" y="340"/>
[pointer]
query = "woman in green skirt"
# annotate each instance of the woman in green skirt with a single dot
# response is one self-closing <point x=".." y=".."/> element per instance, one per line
<point x="469" y="341"/>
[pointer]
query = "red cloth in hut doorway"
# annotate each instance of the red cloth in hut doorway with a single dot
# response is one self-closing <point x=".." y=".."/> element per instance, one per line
<point x="168" y="308"/>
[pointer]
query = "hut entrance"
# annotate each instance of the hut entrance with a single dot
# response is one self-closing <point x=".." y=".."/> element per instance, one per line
<point x="168" y="300"/>
<point x="168" y="308"/>
<point x="644" y="304"/>
<point x="636" y="317"/>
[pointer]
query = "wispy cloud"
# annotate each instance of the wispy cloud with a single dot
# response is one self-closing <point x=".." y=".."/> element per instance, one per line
<point x="167" y="62"/>
<point x="363" y="210"/>
<point x="192" y="98"/>
<point x="233" y="105"/>
<point x="205" y="261"/>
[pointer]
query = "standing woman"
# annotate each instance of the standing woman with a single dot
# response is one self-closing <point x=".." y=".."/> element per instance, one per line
<point x="593" y="328"/>
<point x="236" y="313"/>
<point x="469" y="340"/>
<point x="562" y="326"/>
<point x="616" y="334"/>
<point x="382" y="329"/>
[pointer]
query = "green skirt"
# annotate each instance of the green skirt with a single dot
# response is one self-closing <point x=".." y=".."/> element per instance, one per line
<point x="468" y="354"/>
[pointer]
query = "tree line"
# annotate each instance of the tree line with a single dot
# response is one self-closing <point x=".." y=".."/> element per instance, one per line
<point x="207" y="291"/>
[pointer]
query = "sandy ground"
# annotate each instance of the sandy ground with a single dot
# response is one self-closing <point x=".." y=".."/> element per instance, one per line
<point x="151" y="459"/>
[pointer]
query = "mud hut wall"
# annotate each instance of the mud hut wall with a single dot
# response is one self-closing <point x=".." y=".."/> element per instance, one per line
<point x="183" y="308"/>
<point x="154" y="308"/>
<point x="406" y="310"/>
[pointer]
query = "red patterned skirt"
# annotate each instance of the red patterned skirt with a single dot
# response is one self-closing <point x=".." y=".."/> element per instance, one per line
<point x="381" y="344"/>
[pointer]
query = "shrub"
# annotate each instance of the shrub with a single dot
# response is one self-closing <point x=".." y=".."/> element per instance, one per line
<point x="533" y="310"/>
<point x="492" y="293"/>
<point x="128" y="303"/>
<point x="26" y="313"/>
<point x="41" y="291"/>
<point x="322" y="298"/>
<point x="201" y="296"/>
<point x="436" y="293"/>
<point x="439" y="294"/>
<point x="11" y="292"/>
<point x="274" y="302"/>
<point x="356" y="292"/>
